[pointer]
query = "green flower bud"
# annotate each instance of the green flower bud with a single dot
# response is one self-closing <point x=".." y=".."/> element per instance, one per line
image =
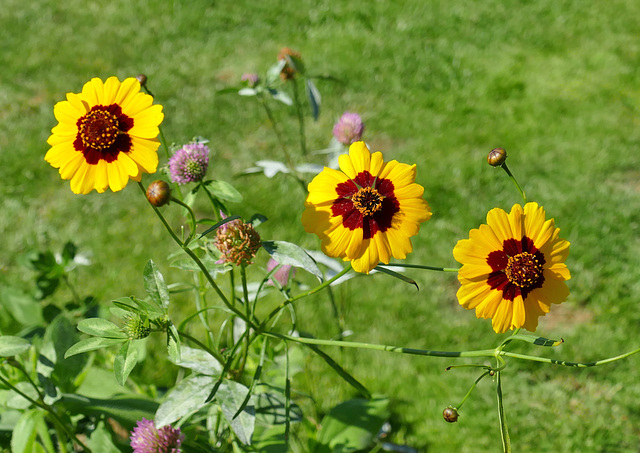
<point x="136" y="328"/>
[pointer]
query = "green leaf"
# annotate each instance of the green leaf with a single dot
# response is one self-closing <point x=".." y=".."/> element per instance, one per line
<point x="127" y="410"/>
<point x="257" y="220"/>
<point x="247" y="92"/>
<point x="58" y="338"/>
<point x="280" y="96"/>
<point x="292" y="255"/>
<point x="91" y="344"/>
<point x="23" y="438"/>
<point x="273" y="73"/>
<point x="231" y="395"/>
<point x="352" y="425"/>
<point x="124" y="362"/>
<point x="23" y="307"/>
<point x="271" y="410"/>
<point x="101" y="440"/>
<point x="219" y="224"/>
<point x="199" y="361"/>
<point x="173" y="342"/>
<point x="270" y="439"/>
<point x="155" y="285"/>
<point x="189" y="395"/>
<point x="404" y="278"/>
<point x="69" y="252"/>
<point x="224" y="191"/>
<point x="10" y="346"/>
<point x="99" y="327"/>
<point x="314" y="98"/>
<point x="538" y="341"/>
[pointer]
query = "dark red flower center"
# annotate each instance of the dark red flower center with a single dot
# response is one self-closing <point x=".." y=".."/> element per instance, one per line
<point x="517" y="269"/>
<point x="366" y="202"/>
<point x="102" y="133"/>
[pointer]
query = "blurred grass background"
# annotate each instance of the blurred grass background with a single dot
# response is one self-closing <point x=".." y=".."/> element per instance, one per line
<point x="439" y="83"/>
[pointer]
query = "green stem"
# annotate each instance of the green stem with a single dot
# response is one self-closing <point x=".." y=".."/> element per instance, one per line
<point x="215" y="354"/>
<point x="382" y="347"/>
<point x="199" y="300"/>
<point x="421" y="266"/>
<point x="326" y="283"/>
<point x="247" y="305"/>
<point x="567" y="363"/>
<point x="482" y="376"/>
<point x="504" y="431"/>
<point x="192" y="220"/>
<point x="274" y="126"/>
<point x="216" y="204"/>
<point x="505" y="168"/>
<point x="296" y="98"/>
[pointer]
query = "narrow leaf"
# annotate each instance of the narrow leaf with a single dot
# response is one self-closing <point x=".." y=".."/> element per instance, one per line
<point x="538" y="341"/>
<point x="124" y="362"/>
<point x="404" y="278"/>
<point x="173" y="342"/>
<point x="91" y="344"/>
<point x="292" y="255"/>
<point x="314" y="98"/>
<point x="10" y="346"/>
<point x="99" y="327"/>
<point x="219" y="224"/>
<point x="155" y="285"/>
<point x="230" y="395"/>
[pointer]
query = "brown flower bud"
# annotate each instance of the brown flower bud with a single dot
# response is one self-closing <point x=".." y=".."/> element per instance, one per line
<point x="450" y="414"/>
<point x="238" y="242"/>
<point x="142" y="79"/>
<point x="288" y="71"/>
<point x="496" y="157"/>
<point x="159" y="193"/>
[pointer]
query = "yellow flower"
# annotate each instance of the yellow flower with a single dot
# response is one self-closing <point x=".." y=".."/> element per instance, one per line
<point x="105" y="135"/>
<point x="367" y="212"/>
<point x="513" y="268"/>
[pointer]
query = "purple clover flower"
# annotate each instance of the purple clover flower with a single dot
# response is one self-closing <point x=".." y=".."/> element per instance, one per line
<point x="251" y="79"/>
<point x="189" y="163"/>
<point x="349" y="128"/>
<point x="146" y="438"/>
<point x="282" y="274"/>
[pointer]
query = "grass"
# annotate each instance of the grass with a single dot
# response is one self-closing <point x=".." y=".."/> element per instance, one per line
<point x="438" y="83"/>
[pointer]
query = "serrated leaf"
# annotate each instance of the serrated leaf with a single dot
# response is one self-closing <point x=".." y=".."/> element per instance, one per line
<point x="353" y="425"/>
<point x="290" y="254"/>
<point x="230" y="396"/>
<point x="155" y="285"/>
<point x="10" y="346"/>
<point x="199" y="361"/>
<point x="99" y="327"/>
<point x="224" y="191"/>
<point x="124" y="362"/>
<point x="314" y="98"/>
<point x="91" y="344"/>
<point x="189" y="395"/>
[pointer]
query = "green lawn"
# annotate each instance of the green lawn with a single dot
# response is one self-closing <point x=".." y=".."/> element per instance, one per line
<point x="438" y="83"/>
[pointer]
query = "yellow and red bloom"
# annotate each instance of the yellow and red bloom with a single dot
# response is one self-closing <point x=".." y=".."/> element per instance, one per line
<point x="106" y="135"/>
<point x="367" y="212"/>
<point x="513" y="268"/>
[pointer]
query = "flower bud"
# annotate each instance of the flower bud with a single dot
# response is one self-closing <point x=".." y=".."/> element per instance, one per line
<point x="159" y="193"/>
<point x="496" y="157"/>
<point x="288" y="71"/>
<point x="238" y="242"/>
<point x="142" y="79"/>
<point x="136" y="328"/>
<point x="450" y="414"/>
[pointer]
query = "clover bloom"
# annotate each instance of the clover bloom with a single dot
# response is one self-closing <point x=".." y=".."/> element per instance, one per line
<point x="189" y="163"/>
<point x="238" y="242"/>
<point x="349" y="128"/>
<point x="367" y="212"/>
<point x="513" y="268"/>
<point x="283" y="273"/>
<point x="146" y="438"/>
<point x="106" y="135"/>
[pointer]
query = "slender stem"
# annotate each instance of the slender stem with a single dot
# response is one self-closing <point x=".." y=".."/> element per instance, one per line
<point x="296" y="98"/>
<point x="504" y="431"/>
<point x="216" y="204"/>
<point x="326" y="283"/>
<point x="213" y="353"/>
<point x="199" y="299"/>
<point x="567" y="363"/>
<point x="482" y="376"/>
<point x="247" y="306"/>
<point x="382" y="347"/>
<point x="421" y="266"/>
<point x="274" y="126"/>
<point x="192" y="220"/>
<point x="505" y="168"/>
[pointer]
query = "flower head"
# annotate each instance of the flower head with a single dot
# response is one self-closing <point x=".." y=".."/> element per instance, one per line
<point x="293" y="59"/>
<point x="146" y="438"/>
<point x="251" y="79"/>
<point x="238" y="242"/>
<point x="513" y="268"/>
<point x="367" y="212"/>
<point x="282" y="274"/>
<point x="349" y="128"/>
<point x="105" y="135"/>
<point x="189" y="163"/>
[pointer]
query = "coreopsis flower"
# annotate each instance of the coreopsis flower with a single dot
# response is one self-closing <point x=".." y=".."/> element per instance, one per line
<point x="349" y="128"/>
<point x="189" y="163"/>
<point x="146" y="438"/>
<point x="513" y="268"/>
<point x="238" y="242"/>
<point x="366" y="212"/>
<point x="292" y="57"/>
<point x="106" y="135"/>
<point x="283" y="273"/>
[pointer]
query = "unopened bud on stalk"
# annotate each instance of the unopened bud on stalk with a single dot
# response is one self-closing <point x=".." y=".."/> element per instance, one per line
<point x="159" y="193"/>
<point x="136" y="328"/>
<point x="496" y="157"/>
<point x="142" y="79"/>
<point x="450" y="414"/>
